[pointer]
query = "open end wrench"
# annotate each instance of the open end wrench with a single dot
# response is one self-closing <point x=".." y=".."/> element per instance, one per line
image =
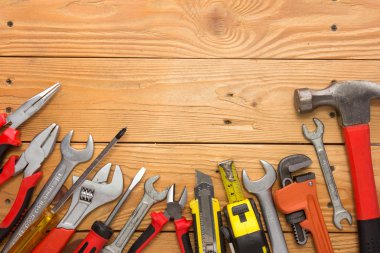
<point x="70" y="158"/>
<point x="316" y="138"/>
<point x="262" y="189"/>
<point x="151" y="197"/>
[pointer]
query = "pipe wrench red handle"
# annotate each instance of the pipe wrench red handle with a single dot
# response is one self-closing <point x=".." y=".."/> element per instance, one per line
<point x="357" y="138"/>
<point x="303" y="196"/>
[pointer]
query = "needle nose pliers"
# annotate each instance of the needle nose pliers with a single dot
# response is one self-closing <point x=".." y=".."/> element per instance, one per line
<point x="172" y="212"/>
<point x="29" y="162"/>
<point x="10" y="136"/>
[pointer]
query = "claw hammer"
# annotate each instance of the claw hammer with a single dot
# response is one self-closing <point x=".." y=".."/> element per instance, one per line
<point x="352" y="101"/>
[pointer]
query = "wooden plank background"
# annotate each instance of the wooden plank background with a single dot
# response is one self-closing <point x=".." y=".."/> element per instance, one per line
<point x="196" y="82"/>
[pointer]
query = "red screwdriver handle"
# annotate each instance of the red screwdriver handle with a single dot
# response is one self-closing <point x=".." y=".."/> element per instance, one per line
<point x="8" y="169"/>
<point x="95" y="239"/>
<point x="358" y="147"/>
<point x="158" y="222"/>
<point x="20" y="206"/>
<point x="182" y="227"/>
<point x="55" y="241"/>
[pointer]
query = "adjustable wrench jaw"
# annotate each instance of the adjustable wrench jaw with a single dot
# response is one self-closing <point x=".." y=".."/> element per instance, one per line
<point x="91" y="195"/>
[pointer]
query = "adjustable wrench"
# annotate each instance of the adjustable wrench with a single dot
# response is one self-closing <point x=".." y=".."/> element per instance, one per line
<point x="262" y="189"/>
<point x="316" y="138"/>
<point x="151" y="197"/>
<point x="91" y="195"/>
<point x="70" y="158"/>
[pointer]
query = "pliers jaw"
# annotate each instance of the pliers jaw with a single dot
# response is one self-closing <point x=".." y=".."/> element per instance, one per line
<point x="30" y="107"/>
<point x="174" y="208"/>
<point x="39" y="149"/>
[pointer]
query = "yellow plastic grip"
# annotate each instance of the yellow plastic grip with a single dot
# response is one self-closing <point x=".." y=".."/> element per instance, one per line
<point x="34" y="234"/>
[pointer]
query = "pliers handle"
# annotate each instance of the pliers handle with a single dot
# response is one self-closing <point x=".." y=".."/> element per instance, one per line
<point x="21" y="204"/>
<point x="9" y="137"/>
<point x="158" y="222"/>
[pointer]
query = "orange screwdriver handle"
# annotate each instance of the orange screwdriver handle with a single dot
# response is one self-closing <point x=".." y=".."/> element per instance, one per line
<point x="303" y="196"/>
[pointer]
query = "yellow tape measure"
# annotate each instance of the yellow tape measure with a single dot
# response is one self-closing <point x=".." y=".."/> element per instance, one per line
<point x="231" y="181"/>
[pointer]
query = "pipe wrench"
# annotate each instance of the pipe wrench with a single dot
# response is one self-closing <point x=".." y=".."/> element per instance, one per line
<point x="298" y="200"/>
<point x="91" y="195"/>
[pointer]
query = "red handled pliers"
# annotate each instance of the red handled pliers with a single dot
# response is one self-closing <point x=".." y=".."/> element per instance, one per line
<point x="10" y="136"/>
<point x="29" y="162"/>
<point x="173" y="212"/>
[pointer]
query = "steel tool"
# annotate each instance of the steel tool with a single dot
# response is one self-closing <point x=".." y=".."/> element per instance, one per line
<point x="262" y="189"/>
<point x="70" y="158"/>
<point x="207" y="219"/>
<point x="91" y="195"/>
<point x="101" y="232"/>
<point x="245" y="231"/>
<point x="10" y="136"/>
<point x="352" y="100"/>
<point x="30" y="162"/>
<point x="37" y="230"/>
<point x="173" y="212"/>
<point x="316" y="137"/>
<point x="299" y="197"/>
<point x="151" y="197"/>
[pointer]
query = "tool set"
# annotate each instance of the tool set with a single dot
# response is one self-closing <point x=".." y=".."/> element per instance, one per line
<point x="244" y="231"/>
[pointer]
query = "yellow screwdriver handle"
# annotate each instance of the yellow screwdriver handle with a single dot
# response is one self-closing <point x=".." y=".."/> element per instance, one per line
<point x="34" y="234"/>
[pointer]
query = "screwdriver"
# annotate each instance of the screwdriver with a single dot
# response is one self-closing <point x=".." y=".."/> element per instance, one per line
<point x="34" y="234"/>
<point x="100" y="231"/>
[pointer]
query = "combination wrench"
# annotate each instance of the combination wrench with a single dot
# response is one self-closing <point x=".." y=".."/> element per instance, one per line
<point x="262" y="189"/>
<point x="316" y="137"/>
<point x="150" y="197"/>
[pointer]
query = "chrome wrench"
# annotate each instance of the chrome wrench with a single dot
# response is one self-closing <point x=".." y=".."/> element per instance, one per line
<point x="262" y="189"/>
<point x="316" y="138"/>
<point x="150" y="197"/>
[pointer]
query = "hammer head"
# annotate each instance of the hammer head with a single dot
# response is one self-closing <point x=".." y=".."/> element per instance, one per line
<point x="350" y="98"/>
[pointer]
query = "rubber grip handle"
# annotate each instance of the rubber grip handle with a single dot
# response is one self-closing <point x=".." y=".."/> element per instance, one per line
<point x="93" y="243"/>
<point x="8" y="170"/>
<point x="55" y="241"/>
<point x="369" y="236"/>
<point x="9" y="137"/>
<point x="158" y="222"/>
<point x="182" y="227"/>
<point x="358" y="147"/>
<point x="221" y="236"/>
<point x="20" y="206"/>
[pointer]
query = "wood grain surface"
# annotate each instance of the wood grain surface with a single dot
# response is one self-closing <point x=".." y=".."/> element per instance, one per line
<point x="175" y="100"/>
<point x="195" y="82"/>
<point x="304" y="29"/>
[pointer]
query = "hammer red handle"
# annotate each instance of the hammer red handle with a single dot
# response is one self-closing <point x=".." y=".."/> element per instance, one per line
<point x="358" y="147"/>
<point x="55" y="241"/>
